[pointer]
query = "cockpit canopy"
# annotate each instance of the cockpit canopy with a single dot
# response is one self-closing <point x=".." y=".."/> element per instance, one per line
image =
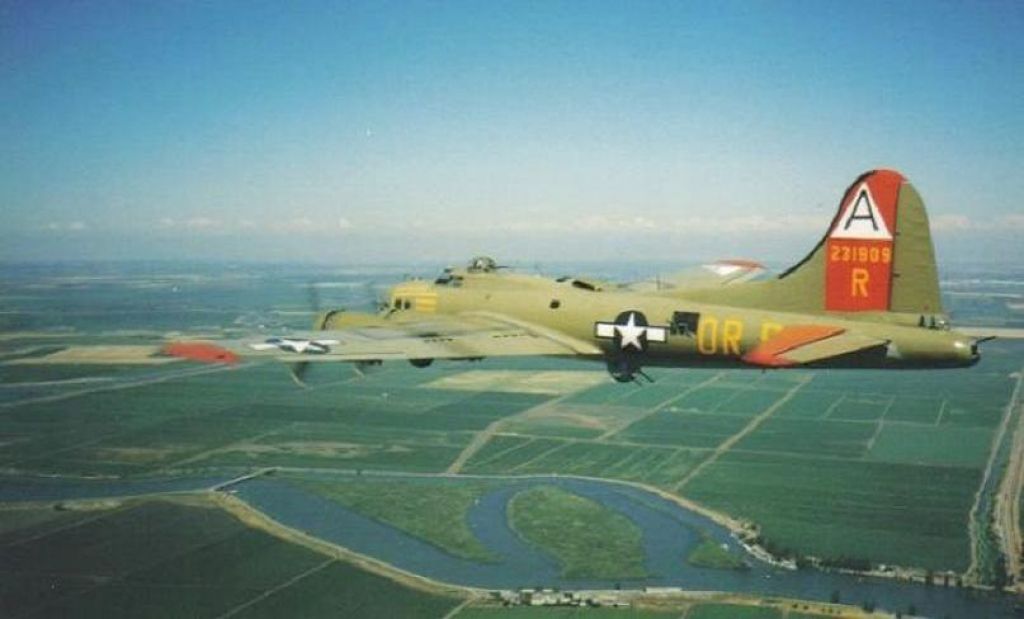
<point x="477" y="266"/>
<point x="482" y="264"/>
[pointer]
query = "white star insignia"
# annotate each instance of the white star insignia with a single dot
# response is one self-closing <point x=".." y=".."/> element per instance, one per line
<point x="630" y="333"/>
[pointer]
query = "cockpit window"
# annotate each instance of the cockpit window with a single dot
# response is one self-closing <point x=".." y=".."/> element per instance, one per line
<point x="684" y="323"/>
<point x="584" y="285"/>
<point x="448" y="279"/>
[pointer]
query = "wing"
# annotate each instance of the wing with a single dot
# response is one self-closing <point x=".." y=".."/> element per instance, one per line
<point x="988" y="333"/>
<point x="713" y="275"/>
<point x="809" y="344"/>
<point x="464" y="336"/>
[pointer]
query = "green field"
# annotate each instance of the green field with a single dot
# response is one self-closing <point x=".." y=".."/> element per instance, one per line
<point x="730" y="611"/>
<point x="251" y="416"/>
<point x="519" y="612"/>
<point x="433" y="511"/>
<point x="868" y="465"/>
<point x="520" y="455"/>
<point x="161" y="559"/>
<point x="589" y="540"/>
<point x="851" y="468"/>
<point x="879" y="512"/>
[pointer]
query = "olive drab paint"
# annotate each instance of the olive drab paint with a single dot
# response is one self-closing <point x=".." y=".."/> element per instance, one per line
<point x="865" y="296"/>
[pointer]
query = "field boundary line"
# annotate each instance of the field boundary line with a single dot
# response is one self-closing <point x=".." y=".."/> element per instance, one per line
<point x="539" y="456"/>
<point x="47" y="454"/>
<point x="975" y="528"/>
<point x="102" y="513"/>
<point x="529" y="440"/>
<point x="128" y="384"/>
<point x="484" y="436"/>
<point x="832" y="407"/>
<point x="225" y="447"/>
<point x="880" y="424"/>
<point x="458" y="609"/>
<point x="269" y="592"/>
<point x="747" y="429"/>
<point x="662" y="406"/>
<point x="255" y="519"/>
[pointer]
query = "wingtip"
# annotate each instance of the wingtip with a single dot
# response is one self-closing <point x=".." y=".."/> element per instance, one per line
<point x="204" y="352"/>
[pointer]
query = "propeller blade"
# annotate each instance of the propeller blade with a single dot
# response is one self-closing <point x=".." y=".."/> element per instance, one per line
<point x="362" y="367"/>
<point x="313" y="296"/>
<point x="298" y="373"/>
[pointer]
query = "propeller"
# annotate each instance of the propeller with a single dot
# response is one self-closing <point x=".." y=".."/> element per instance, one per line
<point x="298" y="373"/>
<point x="298" y="370"/>
<point x="379" y="300"/>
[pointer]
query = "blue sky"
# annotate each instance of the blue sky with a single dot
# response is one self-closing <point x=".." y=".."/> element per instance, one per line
<point x="384" y="131"/>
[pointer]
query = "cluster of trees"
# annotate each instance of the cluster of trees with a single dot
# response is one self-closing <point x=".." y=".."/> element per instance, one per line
<point x="840" y="562"/>
<point x="844" y="562"/>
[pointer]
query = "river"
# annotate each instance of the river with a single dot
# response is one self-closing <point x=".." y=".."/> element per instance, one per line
<point x="669" y="531"/>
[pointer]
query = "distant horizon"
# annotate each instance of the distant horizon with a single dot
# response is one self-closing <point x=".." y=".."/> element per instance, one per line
<point x="773" y="266"/>
<point x="368" y="131"/>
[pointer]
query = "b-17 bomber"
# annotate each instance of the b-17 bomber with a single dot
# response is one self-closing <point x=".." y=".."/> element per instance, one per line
<point x="866" y="296"/>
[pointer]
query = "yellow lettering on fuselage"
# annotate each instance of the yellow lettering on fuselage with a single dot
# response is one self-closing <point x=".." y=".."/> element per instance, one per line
<point x="732" y="332"/>
<point x="711" y="339"/>
<point x="707" y="335"/>
<point x="768" y="330"/>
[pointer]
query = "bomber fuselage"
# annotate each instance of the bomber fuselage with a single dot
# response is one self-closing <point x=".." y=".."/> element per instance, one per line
<point x="652" y="329"/>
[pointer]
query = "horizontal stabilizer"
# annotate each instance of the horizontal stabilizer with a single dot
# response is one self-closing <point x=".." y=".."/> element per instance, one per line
<point x="988" y="333"/>
<point x="808" y="344"/>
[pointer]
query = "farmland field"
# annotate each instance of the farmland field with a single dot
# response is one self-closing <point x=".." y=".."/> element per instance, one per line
<point x="471" y="612"/>
<point x="881" y="512"/>
<point x="166" y="559"/>
<point x="728" y="611"/>
<point x="393" y="420"/>
<point x="878" y="466"/>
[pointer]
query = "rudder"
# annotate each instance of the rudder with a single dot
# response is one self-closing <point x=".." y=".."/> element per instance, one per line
<point x="877" y="255"/>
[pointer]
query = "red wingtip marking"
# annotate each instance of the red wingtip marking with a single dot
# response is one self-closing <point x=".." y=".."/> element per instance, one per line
<point x="200" y="351"/>
<point x="770" y="353"/>
<point x="740" y="262"/>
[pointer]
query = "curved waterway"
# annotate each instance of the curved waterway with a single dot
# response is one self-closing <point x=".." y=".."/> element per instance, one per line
<point x="670" y="532"/>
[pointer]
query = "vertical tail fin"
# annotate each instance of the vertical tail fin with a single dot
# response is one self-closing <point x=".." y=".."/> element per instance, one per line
<point x="877" y="256"/>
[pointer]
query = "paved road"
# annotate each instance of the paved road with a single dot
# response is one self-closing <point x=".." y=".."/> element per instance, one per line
<point x="1007" y="501"/>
